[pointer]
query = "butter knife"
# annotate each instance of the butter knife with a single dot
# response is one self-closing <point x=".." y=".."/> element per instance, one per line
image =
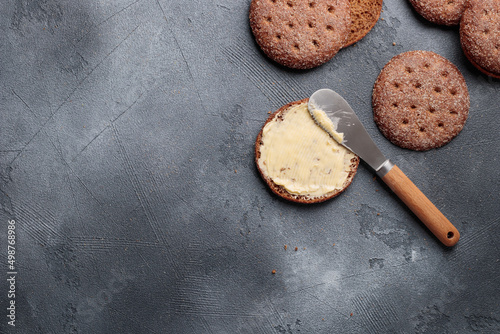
<point x="336" y="117"/>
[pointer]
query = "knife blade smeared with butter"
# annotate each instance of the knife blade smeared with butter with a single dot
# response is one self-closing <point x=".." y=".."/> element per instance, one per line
<point x="334" y="115"/>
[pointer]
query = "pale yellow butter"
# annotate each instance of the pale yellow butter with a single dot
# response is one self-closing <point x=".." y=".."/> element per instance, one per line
<point x="327" y="124"/>
<point x="300" y="156"/>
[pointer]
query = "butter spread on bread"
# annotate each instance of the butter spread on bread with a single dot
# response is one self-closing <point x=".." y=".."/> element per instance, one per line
<point x="326" y="123"/>
<point x="301" y="157"/>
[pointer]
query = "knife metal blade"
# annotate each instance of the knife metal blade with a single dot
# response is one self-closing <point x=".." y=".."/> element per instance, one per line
<point x="345" y="122"/>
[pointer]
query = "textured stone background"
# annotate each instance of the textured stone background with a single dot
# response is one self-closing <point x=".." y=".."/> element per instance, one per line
<point x="126" y="159"/>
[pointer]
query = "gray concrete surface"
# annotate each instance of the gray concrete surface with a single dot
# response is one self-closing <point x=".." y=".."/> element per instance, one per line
<point x="126" y="162"/>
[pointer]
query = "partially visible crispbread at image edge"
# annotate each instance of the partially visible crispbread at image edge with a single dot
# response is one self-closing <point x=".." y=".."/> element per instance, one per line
<point x="280" y="190"/>
<point x="480" y="36"/>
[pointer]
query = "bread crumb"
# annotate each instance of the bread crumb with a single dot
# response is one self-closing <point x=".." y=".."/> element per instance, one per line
<point x="351" y="314"/>
<point x="285" y="247"/>
<point x="378" y="213"/>
<point x="296" y="248"/>
<point x="273" y="272"/>
<point x="393" y="43"/>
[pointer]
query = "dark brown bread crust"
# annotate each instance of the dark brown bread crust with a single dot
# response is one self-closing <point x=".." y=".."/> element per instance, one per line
<point x="420" y="100"/>
<point x="480" y="35"/>
<point x="444" y="12"/>
<point x="281" y="191"/>
<point x="364" y="15"/>
<point x="300" y="34"/>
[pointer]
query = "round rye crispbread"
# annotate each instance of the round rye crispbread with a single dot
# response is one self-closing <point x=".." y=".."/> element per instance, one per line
<point x="279" y="190"/>
<point x="444" y="12"/>
<point x="480" y="35"/>
<point x="300" y="34"/>
<point x="364" y="15"/>
<point x="420" y="100"/>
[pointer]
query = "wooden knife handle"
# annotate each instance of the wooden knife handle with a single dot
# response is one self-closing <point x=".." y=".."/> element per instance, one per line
<point x="421" y="206"/>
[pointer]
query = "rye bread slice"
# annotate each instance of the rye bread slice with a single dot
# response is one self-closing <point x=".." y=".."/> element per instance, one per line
<point x="300" y="34"/>
<point x="279" y="190"/>
<point x="420" y="100"/>
<point x="364" y="16"/>
<point x="480" y="35"/>
<point x="443" y="12"/>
